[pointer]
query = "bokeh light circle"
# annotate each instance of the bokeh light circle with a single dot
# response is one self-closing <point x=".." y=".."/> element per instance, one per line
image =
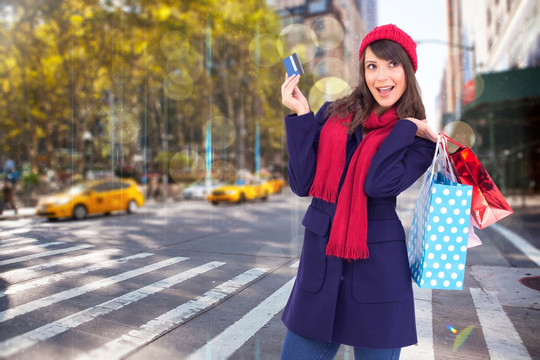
<point x="187" y="109"/>
<point x="224" y="171"/>
<point x="171" y="41"/>
<point x="223" y="132"/>
<point x="175" y="91"/>
<point x="185" y="65"/>
<point x="268" y="52"/>
<point x="272" y="22"/>
<point x="460" y="131"/>
<point x="331" y="66"/>
<point x="317" y="98"/>
<point x="329" y="31"/>
<point x="332" y="85"/>
<point x="472" y="90"/>
<point x="181" y="77"/>
<point x="123" y="129"/>
<point x="187" y="166"/>
<point x="300" y="39"/>
<point x="459" y="53"/>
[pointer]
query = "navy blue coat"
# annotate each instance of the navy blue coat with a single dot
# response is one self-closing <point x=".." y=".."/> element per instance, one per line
<point x="368" y="302"/>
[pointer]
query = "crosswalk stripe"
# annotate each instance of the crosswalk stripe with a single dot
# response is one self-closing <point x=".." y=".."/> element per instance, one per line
<point x="26" y="273"/>
<point x="71" y="293"/>
<point x="13" y="289"/>
<point x="16" y="242"/>
<point x="232" y="338"/>
<point x="31" y="247"/>
<point x="135" y="339"/>
<point x="523" y="245"/>
<point x="21" y="342"/>
<point x="424" y="327"/>
<point x="44" y="254"/>
<point x="14" y="232"/>
<point x="501" y="337"/>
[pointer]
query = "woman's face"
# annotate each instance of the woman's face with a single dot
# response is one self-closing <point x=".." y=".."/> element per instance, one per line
<point x="385" y="79"/>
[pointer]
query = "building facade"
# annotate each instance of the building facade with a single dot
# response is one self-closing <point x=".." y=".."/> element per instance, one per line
<point x="491" y="83"/>
<point x="339" y="27"/>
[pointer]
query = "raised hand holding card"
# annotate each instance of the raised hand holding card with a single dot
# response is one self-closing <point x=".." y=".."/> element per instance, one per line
<point x="293" y="65"/>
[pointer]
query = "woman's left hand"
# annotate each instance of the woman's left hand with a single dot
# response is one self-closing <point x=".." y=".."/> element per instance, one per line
<point x="424" y="130"/>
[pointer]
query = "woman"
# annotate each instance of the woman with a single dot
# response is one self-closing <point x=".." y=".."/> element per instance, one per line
<point x="354" y="157"/>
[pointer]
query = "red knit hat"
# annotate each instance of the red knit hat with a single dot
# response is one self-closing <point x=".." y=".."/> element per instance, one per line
<point x="391" y="32"/>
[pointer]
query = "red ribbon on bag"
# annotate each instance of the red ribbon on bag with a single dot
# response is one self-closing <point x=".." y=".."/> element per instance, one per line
<point x="488" y="204"/>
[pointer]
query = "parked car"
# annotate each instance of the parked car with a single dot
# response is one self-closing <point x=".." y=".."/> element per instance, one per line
<point x="200" y="189"/>
<point x="95" y="197"/>
<point x="241" y="191"/>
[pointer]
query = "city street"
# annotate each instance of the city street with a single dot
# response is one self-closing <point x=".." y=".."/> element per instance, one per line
<point x="188" y="280"/>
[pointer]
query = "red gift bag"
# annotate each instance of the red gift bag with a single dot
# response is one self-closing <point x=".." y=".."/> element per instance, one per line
<point x="488" y="204"/>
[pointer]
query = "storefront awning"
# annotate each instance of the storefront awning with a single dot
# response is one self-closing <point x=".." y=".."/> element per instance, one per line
<point x="504" y="113"/>
<point x="503" y="95"/>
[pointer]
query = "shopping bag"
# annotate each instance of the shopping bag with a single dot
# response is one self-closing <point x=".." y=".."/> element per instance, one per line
<point x="488" y="204"/>
<point x="449" y="172"/>
<point x="437" y="241"/>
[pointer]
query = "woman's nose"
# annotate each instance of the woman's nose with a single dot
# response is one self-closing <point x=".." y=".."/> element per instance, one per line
<point x="382" y="73"/>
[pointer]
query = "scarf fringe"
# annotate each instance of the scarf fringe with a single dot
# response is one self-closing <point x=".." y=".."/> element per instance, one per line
<point x="324" y="193"/>
<point x="347" y="253"/>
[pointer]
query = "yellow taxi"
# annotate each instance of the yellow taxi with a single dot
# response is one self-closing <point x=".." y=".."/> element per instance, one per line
<point x="276" y="183"/>
<point x="95" y="197"/>
<point x="241" y="191"/>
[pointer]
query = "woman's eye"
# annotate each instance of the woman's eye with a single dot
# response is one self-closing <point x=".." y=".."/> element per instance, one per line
<point x="393" y="64"/>
<point x="370" y="66"/>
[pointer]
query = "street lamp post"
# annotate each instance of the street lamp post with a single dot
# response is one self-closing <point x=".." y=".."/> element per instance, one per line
<point x="87" y="139"/>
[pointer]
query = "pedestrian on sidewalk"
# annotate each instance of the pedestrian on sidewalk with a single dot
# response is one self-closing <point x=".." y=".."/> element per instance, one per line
<point x="354" y="157"/>
<point x="8" y="191"/>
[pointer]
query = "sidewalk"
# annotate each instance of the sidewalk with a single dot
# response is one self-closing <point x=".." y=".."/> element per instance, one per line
<point x="21" y="213"/>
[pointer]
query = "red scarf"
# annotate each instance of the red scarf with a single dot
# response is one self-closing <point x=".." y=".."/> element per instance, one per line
<point x="348" y="236"/>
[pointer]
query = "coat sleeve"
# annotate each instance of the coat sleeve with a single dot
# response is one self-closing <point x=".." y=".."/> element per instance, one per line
<point x="302" y="140"/>
<point x="399" y="162"/>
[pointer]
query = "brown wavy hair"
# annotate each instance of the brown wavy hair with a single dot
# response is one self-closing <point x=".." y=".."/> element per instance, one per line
<point x="361" y="102"/>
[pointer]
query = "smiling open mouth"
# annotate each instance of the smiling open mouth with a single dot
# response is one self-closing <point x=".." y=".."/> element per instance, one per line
<point x="385" y="90"/>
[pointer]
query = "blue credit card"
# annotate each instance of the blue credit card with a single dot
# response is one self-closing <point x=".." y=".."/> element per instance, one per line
<point x="293" y="65"/>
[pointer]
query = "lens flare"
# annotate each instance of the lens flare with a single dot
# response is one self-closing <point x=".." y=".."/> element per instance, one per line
<point x="462" y="337"/>
<point x="451" y="328"/>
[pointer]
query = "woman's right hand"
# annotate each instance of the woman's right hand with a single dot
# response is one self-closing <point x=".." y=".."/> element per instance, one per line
<point x="292" y="97"/>
<point x="424" y="130"/>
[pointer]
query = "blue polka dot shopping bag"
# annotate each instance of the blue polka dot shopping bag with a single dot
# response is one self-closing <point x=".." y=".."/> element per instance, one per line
<point x="437" y="242"/>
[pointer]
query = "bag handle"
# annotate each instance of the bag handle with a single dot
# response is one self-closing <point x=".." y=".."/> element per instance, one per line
<point x="448" y="138"/>
<point x="442" y="158"/>
<point x="434" y="160"/>
<point x="448" y="164"/>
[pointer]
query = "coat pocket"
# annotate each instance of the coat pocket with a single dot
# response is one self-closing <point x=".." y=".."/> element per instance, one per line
<point x="384" y="277"/>
<point x="312" y="267"/>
